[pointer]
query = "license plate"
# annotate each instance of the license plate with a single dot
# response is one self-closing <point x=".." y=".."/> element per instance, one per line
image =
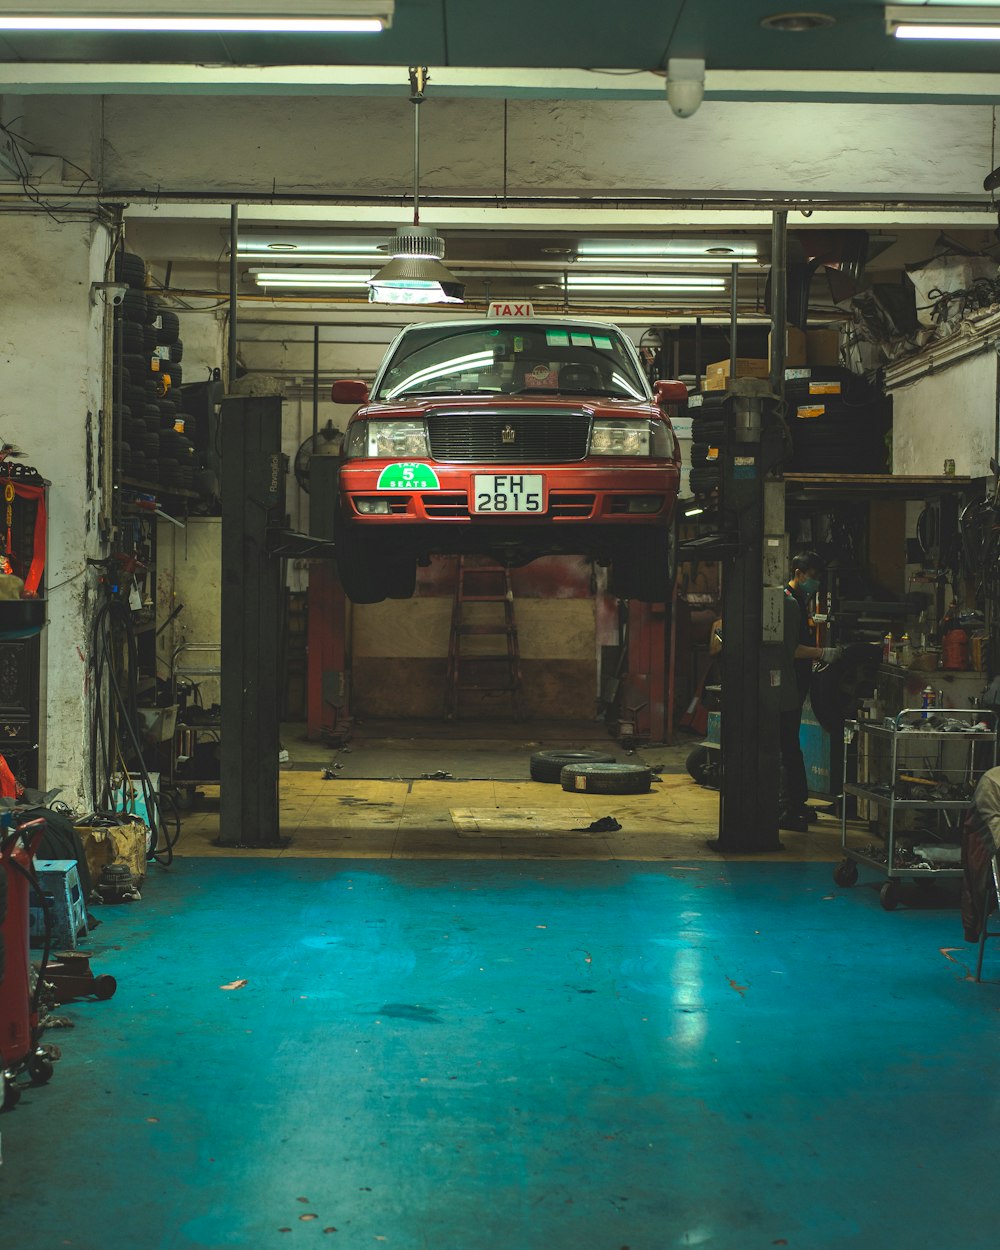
<point x="499" y="493"/>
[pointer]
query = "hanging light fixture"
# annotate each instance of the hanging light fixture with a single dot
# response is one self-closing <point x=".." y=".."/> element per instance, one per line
<point x="415" y="274"/>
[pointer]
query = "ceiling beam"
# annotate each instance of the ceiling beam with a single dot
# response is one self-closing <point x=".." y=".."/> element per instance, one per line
<point x="614" y="217"/>
<point x="817" y="86"/>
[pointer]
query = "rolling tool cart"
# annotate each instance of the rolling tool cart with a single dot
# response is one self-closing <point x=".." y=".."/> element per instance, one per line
<point x="917" y="773"/>
<point x="188" y="766"/>
<point x="19" y="1049"/>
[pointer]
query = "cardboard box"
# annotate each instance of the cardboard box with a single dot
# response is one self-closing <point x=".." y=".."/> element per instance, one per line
<point x="115" y="844"/>
<point x="822" y="347"/>
<point x="795" y="348"/>
<point x="746" y="367"/>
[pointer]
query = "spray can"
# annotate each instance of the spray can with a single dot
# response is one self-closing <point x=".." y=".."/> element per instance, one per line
<point x="926" y="701"/>
<point x="886" y="648"/>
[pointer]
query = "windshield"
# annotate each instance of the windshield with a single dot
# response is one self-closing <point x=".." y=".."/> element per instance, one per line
<point x="522" y="359"/>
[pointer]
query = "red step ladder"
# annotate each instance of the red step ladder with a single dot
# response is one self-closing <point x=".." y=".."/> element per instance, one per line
<point x="470" y="671"/>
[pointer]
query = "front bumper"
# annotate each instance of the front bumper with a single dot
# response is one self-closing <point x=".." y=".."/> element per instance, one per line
<point x="600" y="491"/>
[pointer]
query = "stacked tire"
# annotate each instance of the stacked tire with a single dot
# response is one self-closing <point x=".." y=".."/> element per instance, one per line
<point x="707" y="435"/>
<point x="135" y="418"/>
<point x="148" y="373"/>
<point x="838" y="422"/>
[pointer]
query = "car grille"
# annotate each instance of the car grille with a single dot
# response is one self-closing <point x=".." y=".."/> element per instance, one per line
<point x="513" y="437"/>
<point x="561" y="504"/>
<point x="456" y="504"/>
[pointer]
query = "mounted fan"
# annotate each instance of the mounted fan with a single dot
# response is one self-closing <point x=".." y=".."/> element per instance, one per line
<point x="326" y="442"/>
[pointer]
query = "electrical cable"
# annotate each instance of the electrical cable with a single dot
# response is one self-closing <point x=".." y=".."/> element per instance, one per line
<point x="114" y="734"/>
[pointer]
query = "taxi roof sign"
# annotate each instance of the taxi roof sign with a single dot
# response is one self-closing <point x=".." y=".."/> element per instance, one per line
<point x="510" y="308"/>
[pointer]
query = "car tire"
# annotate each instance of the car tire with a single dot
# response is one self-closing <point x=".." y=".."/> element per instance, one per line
<point x="130" y="268"/>
<point x="401" y="582"/>
<point x="644" y="566"/>
<point x="606" y="778"/>
<point x="169" y="328"/>
<point x="547" y="766"/>
<point x="702" y="766"/>
<point x="361" y="574"/>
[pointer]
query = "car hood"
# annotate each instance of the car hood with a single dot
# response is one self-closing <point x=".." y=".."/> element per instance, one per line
<point x="598" y="407"/>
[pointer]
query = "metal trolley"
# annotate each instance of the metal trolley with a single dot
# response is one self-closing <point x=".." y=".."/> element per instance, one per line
<point x="910" y="765"/>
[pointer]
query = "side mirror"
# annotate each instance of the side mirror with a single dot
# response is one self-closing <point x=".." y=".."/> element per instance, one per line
<point x="351" y="391"/>
<point x="670" y="392"/>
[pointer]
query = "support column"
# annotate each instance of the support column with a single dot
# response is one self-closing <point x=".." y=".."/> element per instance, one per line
<point x="253" y="509"/>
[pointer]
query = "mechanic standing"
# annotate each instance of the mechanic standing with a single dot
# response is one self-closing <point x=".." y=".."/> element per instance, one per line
<point x="801" y="651"/>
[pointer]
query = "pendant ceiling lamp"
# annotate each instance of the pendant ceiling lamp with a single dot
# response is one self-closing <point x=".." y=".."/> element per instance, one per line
<point x="415" y="274"/>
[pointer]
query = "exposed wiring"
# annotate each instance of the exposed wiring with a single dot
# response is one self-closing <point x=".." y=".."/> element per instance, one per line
<point x="115" y="733"/>
<point x="21" y="158"/>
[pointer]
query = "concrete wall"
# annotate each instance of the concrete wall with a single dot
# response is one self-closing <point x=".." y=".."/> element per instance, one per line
<point x="400" y="647"/>
<point x="51" y="370"/>
<point x="951" y="414"/>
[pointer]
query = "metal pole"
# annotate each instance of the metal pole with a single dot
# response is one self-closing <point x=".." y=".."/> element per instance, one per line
<point x="315" y="384"/>
<point x="733" y="314"/>
<point x="697" y="353"/>
<point x="416" y="163"/>
<point x="779" y="299"/>
<point x="234" y="230"/>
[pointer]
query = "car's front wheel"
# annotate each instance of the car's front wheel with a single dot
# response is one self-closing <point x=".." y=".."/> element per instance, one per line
<point x="370" y="570"/>
<point x="644" y="564"/>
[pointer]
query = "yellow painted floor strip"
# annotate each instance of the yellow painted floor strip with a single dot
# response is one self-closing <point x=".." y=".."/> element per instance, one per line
<point x="412" y="820"/>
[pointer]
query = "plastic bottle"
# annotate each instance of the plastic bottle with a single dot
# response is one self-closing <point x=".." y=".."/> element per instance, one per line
<point x="905" y="651"/>
<point x="886" y="648"/>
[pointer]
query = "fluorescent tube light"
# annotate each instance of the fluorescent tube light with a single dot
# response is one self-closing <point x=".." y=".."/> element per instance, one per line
<point x="668" y="251"/>
<point x="371" y="256"/>
<point x="669" y="262"/>
<point x="626" y="282"/>
<point x="943" y="21"/>
<point x="307" y="17"/>
<point x="307" y="278"/>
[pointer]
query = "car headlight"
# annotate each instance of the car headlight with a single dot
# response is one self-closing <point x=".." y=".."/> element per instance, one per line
<point x="619" y="438"/>
<point x="661" y="443"/>
<point x="388" y="440"/>
<point x="394" y="440"/>
<point x="356" y="440"/>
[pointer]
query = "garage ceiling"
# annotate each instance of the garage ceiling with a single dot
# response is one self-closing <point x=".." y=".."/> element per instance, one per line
<point x="566" y="50"/>
<point x="567" y="34"/>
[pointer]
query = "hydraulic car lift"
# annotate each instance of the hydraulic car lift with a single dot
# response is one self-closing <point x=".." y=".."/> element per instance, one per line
<point x="255" y="541"/>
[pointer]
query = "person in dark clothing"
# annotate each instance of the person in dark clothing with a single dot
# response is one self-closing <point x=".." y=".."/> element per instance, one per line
<point x="802" y="585"/>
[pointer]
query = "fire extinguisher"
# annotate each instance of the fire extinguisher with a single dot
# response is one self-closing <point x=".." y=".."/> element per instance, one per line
<point x="19" y="1048"/>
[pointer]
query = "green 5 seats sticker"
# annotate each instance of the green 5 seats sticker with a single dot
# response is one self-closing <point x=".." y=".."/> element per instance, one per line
<point x="408" y="476"/>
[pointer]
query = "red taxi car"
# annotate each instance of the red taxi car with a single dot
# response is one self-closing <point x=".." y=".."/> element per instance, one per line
<point x="512" y="437"/>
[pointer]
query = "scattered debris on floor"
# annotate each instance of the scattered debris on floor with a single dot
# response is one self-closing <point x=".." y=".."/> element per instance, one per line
<point x="606" y="824"/>
<point x="440" y="775"/>
<point x="234" y="985"/>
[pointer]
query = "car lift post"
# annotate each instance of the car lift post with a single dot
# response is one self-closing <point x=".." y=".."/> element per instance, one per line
<point x="253" y="514"/>
<point x="753" y="605"/>
<point x="752" y="622"/>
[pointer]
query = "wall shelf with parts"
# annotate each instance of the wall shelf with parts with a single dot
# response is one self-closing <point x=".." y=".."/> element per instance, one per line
<point x="23" y="606"/>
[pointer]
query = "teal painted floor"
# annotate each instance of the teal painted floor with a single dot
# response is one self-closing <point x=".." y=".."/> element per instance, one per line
<point x="516" y="1056"/>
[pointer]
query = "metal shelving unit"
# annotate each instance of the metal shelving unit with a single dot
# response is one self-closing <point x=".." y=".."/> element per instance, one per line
<point x="892" y="750"/>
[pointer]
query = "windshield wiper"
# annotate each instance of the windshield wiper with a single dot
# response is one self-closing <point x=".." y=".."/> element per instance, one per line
<point x="432" y="390"/>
